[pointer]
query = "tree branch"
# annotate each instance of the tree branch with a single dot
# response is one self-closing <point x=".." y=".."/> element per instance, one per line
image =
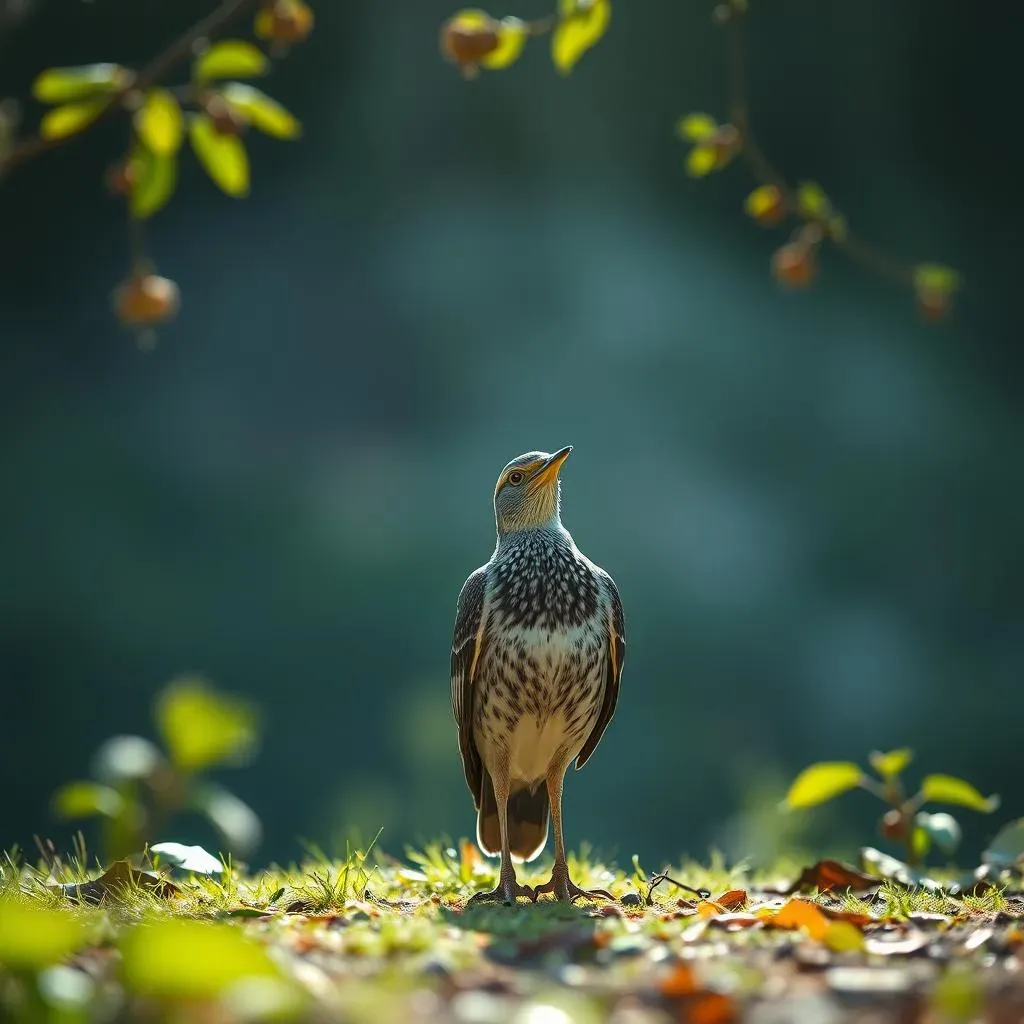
<point x="765" y="172"/>
<point x="182" y="48"/>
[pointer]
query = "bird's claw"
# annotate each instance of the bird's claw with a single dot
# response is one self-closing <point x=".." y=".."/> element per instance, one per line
<point x="567" y="891"/>
<point x="507" y="894"/>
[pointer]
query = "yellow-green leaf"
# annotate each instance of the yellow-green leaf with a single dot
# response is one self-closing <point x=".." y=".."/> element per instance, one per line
<point x="933" y="277"/>
<point x="821" y="782"/>
<point x="159" y="123"/>
<point x="512" y="36"/>
<point x="701" y="160"/>
<point x="223" y="156"/>
<point x="178" y="959"/>
<point x="812" y="201"/>
<point x="762" y="200"/>
<point x="33" y="936"/>
<point x="64" y="85"/>
<point x="844" y="937"/>
<point x="61" y="122"/>
<point x="232" y="58"/>
<point x="581" y="25"/>
<point x="892" y="763"/>
<point x="261" y="111"/>
<point x="201" y="727"/>
<point x="84" y="799"/>
<point x="696" y="127"/>
<point x="156" y="180"/>
<point x="946" y="789"/>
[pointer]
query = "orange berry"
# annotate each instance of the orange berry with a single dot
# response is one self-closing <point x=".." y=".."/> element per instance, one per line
<point x="934" y="305"/>
<point x="144" y="299"/>
<point x="465" y="42"/>
<point x="794" y="265"/>
<point x="226" y="120"/>
<point x="893" y="825"/>
<point x="727" y="144"/>
<point x="284" y="21"/>
<point x="121" y="178"/>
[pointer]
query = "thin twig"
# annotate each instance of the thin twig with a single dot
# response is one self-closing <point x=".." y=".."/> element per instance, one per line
<point x="664" y="876"/>
<point x="183" y="47"/>
<point x="766" y="173"/>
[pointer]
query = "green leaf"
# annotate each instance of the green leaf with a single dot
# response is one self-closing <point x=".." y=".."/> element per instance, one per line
<point x="223" y="156"/>
<point x="891" y="764"/>
<point x="234" y="819"/>
<point x="126" y="757"/>
<point x="942" y="829"/>
<point x="156" y="182"/>
<point x="581" y="25"/>
<point x="188" y="858"/>
<point x="701" y="161"/>
<point x="920" y="842"/>
<point x="159" y="123"/>
<point x="812" y="201"/>
<point x="179" y="959"/>
<point x="232" y="58"/>
<point x="512" y="36"/>
<point x="696" y="127"/>
<point x="86" y="799"/>
<point x="1007" y="847"/>
<point x="821" y="782"/>
<point x="201" y="727"/>
<point x="946" y="789"/>
<point x="933" y="277"/>
<point x="32" y="936"/>
<point x="261" y="111"/>
<point x="61" y="122"/>
<point x="64" y="85"/>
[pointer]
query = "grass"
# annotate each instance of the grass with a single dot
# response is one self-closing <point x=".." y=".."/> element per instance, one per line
<point x="373" y="937"/>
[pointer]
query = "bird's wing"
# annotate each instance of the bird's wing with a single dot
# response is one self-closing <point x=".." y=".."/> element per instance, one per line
<point x="467" y="645"/>
<point x="615" y="657"/>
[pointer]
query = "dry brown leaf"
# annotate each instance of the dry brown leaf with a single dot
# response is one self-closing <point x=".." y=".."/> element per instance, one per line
<point x="734" y="899"/>
<point x="680" y="981"/>
<point x="116" y="882"/>
<point x="827" y="875"/>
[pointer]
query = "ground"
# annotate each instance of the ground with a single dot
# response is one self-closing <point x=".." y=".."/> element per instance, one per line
<point x="379" y="939"/>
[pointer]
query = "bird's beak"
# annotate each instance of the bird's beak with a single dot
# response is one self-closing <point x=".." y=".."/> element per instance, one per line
<point x="548" y="472"/>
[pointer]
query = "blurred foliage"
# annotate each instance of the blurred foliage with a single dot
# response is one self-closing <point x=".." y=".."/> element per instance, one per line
<point x="473" y="39"/>
<point x="905" y="821"/>
<point x="213" y="113"/>
<point x="138" y="788"/>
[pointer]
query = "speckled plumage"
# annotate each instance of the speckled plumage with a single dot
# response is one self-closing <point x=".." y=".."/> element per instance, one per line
<point x="537" y="655"/>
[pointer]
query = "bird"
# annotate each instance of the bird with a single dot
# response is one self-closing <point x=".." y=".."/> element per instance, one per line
<point x="537" y="653"/>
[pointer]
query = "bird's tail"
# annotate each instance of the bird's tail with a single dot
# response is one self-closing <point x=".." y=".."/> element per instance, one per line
<point x="527" y="821"/>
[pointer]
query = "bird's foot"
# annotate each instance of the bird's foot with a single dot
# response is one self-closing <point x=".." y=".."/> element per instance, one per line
<point x="566" y="890"/>
<point x="506" y="892"/>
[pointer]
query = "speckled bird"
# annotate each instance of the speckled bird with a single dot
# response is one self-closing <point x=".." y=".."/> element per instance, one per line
<point x="537" y="656"/>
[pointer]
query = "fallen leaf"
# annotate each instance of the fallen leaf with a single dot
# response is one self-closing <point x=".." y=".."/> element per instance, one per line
<point x="188" y="858"/>
<point x="120" y="878"/>
<point x="801" y="914"/>
<point x="827" y="875"/>
<point x="733" y="899"/>
<point x="737" y="922"/>
<point x="710" y="1008"/>
<point x="910" y="942"/>
<point x="680" y="981"/>
<point x="843" y="937"/>
<point x="709" y="908"/>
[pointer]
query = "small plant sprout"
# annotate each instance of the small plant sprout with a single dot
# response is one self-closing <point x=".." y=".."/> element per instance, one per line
<point x="904" y="822"/>
<point x="137" y="787"/>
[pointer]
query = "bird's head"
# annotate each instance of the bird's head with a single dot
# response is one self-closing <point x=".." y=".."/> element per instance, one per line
<point x="527" y="493"/>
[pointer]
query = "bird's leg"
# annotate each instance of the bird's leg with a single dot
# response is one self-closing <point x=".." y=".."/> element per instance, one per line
<point x="560" y="884"/>
<point x="508" y="888"/>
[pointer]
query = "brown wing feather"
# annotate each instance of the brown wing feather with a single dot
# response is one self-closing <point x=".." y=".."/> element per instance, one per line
<point x="467" y="643"/>
<point x="616" y="631"/>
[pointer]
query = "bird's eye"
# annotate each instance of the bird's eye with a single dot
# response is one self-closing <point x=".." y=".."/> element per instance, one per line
<point x="515" y="478"/>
